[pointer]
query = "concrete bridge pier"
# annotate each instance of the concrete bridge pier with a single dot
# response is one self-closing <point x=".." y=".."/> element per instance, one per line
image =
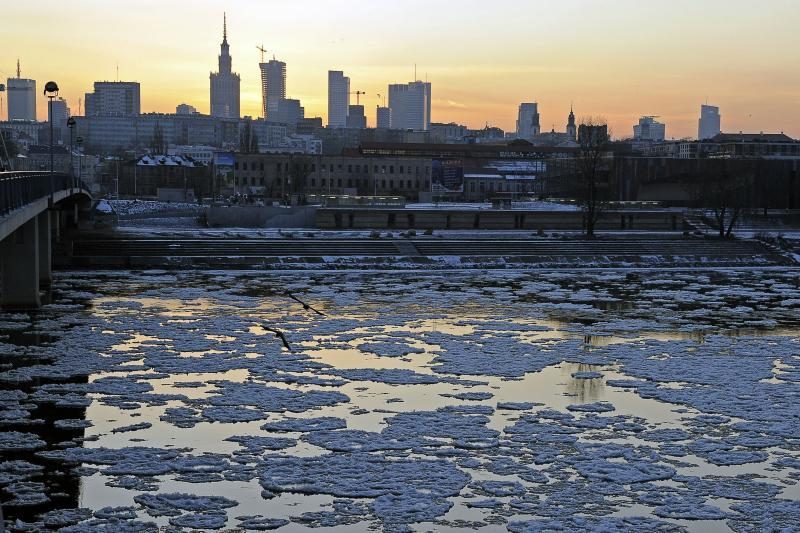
<point x="45" y="249"/>
<point x="19" y="254"/>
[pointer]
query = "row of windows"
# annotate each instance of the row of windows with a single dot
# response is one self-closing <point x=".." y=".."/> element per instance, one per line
<point x="358" y="169"/>
<point x="363" y="183"/>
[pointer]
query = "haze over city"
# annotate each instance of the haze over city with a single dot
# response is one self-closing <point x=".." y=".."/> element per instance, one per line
<point x="619" y="61"/>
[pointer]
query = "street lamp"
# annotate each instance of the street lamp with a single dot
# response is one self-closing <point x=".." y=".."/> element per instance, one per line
<point x="79" y="140"/>
<point x="71" y="126"/>
<point x="51" y="91"/>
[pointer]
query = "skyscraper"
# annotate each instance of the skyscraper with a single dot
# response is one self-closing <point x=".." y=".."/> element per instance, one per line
<point x="273" y="87"/>
<point x="649" y="129"/>
<point x="572" y="130"/>
<point x="528" y="121"/>
<point x="383" y="118"/>
<point x="21" y="97"/>
<point x="114" y="98"/>
<point x="710" y="122"/>
<point x="338" y="98"/>
<point x="410" y="106"/>
<point x="225" y="84"/>
<point x="356" y="119"/>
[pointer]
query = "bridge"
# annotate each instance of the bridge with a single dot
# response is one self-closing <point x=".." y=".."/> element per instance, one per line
<point x="35" y="208"/>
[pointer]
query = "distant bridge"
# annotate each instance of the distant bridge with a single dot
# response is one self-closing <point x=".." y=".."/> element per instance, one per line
<point x="35" y="207"/>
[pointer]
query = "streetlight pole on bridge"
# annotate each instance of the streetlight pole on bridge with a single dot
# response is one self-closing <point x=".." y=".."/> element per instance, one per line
<point x="51" y="91"/>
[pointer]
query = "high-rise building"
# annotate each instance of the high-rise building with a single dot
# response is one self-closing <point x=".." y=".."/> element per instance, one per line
<point x="21" y="97"/>
<point x="410" y="106"/>
<point x="572" y="130"/>
<point x="288" y="111"/>
<point x="114" y="98"/>
<point x="528" y="121"/>
<point x="225" y="84"/>
<point x="356" y="119"/>
<point x="710" y="122"/>
<point x="649" y="129"/>
<point x="383" y="118"/>
<point x="58" y="111"/>
<point x="338" y="98"/>
<point x="273" y="86"/>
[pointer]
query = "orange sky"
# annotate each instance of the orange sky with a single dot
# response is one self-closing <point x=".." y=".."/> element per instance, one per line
<point x="618" y="60"/>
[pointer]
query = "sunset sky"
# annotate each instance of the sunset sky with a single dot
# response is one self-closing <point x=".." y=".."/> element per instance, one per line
<point x="619" y="59"/>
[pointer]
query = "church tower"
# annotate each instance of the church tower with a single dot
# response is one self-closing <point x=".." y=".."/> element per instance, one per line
<point x="572" y="130"/>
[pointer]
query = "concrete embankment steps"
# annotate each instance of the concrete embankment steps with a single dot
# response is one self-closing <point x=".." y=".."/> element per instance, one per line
<point x="352" y="252"/>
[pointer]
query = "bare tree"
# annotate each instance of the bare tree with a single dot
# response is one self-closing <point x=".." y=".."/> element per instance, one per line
<point x="725" y="194"/>
<point x="593" y="141"/>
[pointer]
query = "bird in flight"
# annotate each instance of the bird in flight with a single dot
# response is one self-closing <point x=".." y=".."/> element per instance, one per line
<point x="279" y="334"/>
<point x="305" y="305"/>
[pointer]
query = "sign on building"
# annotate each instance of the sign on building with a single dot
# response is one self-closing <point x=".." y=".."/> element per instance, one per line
<point x="447" y="176"/>
<point x="223" y="169"/>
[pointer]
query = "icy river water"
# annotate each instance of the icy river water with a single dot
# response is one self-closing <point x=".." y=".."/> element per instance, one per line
<point x="488" y="401"/>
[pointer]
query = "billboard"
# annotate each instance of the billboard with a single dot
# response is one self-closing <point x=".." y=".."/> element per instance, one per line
<point x="223" y="169"/>
<point x="447" y="176"/>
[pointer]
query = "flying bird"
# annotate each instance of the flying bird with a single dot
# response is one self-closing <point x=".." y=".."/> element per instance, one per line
<point x="279" y="334"/>
<point x="305" y="305"/>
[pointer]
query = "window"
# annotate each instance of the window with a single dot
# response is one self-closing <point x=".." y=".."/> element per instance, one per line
<point x="349" y="182"/>
<point x="261" y="181"/>
<point x="340" y="182"/>
<point x="313" y="182"/>
<point x="236" y="165"/>
<point x="383" y="184"/>
<point x="401" y="169"/>
<point x="313" y="167"/>
<point x="322" y="182"/>
<point x="376" y="168"/>
<point x="261" y="167"/>
<point x="350" y="169"/>
<point x="391" y="169"/>
<point x="409" y="184"/>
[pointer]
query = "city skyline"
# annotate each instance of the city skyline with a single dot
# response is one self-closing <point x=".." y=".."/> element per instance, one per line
<point x="620" y="63"/>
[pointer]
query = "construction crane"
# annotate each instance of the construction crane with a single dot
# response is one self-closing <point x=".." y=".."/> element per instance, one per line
<point x="358" y="96"/>
<point x="262" y="50"/>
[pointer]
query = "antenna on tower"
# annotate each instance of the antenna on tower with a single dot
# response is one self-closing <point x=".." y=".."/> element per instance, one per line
<point x="224" y="26"/>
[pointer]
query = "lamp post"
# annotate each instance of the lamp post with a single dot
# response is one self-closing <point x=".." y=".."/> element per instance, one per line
<point x="79" y="140"/>
<point x="71" y="126"/>
<point x="51" y="91"/>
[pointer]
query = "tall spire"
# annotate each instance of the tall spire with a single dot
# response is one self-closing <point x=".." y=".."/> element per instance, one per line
<point x="18" y="72"/>
<point x="224" y="27"/>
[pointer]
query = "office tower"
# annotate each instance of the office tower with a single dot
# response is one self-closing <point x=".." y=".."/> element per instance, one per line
<point x="273" y="87"/>
<point x="21" y="97"/>
<point x="528" y="121"/>
<point x="58" y="113"/>
<point x="410" y="106"/>
<point x="288" y="111"/>
<point x="356" y="119"/>
<point x="649" y="129"/>
<point x="572" y="130"/>
<point x="383" y="118"/>
<point x="225" y="84"/>
<point x="114" y="98"/>
<point x="338" y="98"/>
<point x="185" y="109"/>
<point x="710" y="122"/>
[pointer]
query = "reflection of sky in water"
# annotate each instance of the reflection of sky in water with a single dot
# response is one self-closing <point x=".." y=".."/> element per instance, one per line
<point x="474" y="319"/>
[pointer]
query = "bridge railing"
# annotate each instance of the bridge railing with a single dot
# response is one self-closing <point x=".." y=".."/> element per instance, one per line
<point x="18" y="189"/>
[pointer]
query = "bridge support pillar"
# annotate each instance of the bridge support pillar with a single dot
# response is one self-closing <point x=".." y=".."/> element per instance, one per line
<point x="19" y="254"/>
<point x="55" y="226"/>
<point x="45" y="250"/>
